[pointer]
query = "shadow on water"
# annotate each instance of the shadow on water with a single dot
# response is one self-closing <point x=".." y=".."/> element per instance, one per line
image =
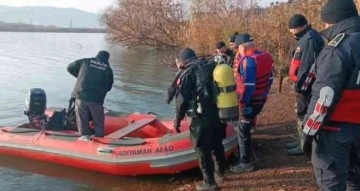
<point x="89" y="180"/>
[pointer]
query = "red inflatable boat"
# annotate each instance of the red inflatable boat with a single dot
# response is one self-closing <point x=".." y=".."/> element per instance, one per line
<point x="137" y="144"/>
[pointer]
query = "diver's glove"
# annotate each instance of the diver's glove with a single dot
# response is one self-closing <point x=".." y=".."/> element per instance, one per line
<point x="177" y="125"/>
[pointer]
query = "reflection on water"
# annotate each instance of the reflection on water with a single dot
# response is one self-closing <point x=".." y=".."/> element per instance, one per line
<point x="29" y="60"/>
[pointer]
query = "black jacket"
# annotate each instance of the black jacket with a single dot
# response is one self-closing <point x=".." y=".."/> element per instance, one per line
<point x="190" y="89"/>
<point x="307" y="49"/>
<point x="231" y="57"/>
<point x="338" y="76"/>
<point x="94" y="79"/>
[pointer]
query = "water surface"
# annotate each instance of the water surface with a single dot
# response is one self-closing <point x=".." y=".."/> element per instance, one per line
<point x="39" y="60"/>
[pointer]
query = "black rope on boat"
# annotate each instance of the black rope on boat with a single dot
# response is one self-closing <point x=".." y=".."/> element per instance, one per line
<point x="152" y="113"/>
<point x="61" y="134"/>
<point x="120" y="142"/>
<point x="23" y="131"/>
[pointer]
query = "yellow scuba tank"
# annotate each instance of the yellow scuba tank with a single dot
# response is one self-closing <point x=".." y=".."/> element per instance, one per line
<point x="226" y="98"/>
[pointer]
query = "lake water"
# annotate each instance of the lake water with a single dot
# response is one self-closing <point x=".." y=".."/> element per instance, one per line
<point x="29" y="60"/>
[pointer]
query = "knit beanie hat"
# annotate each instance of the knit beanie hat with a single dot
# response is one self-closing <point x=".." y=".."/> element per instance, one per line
<point x="337" y="10"/>
<point x="233" y="37"/>
<point x="297" y="21"/>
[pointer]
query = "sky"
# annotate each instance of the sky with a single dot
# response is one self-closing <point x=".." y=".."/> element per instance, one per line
<point x="86" y="5"/>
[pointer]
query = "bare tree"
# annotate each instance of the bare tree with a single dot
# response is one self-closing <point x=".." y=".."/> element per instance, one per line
<point x="157" y="23"/>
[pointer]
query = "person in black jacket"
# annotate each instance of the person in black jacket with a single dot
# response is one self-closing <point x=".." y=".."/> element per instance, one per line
<point x="332" y="122"/>
<point x="222" y="52"/>
<point x="232" y="44"/>
<point x="94" y="80"/>
<point x="302" y="70"/>
<point x="195" y="99"/>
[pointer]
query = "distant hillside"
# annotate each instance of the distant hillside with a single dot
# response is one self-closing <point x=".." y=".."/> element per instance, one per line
<point x="61" y="17"/>
<point x="19" y="27"/>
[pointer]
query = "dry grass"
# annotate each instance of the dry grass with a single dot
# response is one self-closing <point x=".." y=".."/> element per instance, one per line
<point x="199" y="24"/>
<point x="268" y="26"/>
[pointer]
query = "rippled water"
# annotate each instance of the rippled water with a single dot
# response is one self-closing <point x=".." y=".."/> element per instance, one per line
<point x="29" y="60"/>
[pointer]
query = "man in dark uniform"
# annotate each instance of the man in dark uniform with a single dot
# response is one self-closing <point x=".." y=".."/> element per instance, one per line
<point x="333" y="119"/>
<point x="94" y="80"/>
<point x="232" y="44"/>
<point x="195" y="98"/>
<point x="233" y="48"/>
<point x="222" y="52"/>
<point x="302" y="70"/>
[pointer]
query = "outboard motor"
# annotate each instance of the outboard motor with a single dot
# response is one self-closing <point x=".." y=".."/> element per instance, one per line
<point x="35" y="108"/>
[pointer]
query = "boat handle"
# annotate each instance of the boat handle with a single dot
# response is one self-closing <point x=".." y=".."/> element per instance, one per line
<point x="105" y="150"/>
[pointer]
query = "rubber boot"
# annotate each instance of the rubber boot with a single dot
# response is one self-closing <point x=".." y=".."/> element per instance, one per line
<point x="242" y="167"/>
<point x="292" y="145"/>
<point x="295" y="151"/>
<point x="298" y="150"/>
<point x="207" y="187"/>
<point x="206" y="166"/>
<point x="300" y="132"/>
